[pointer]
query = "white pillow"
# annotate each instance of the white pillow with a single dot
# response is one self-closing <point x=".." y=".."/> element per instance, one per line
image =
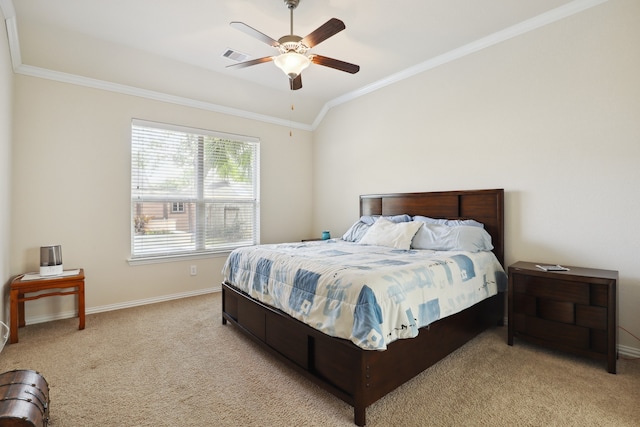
<point x="386" y="233"/>
<point x="440" y="237"/>
<point x="360" y="227"/>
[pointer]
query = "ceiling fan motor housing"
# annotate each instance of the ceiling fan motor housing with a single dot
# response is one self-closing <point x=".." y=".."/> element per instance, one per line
<point x="291" y="43"/>
<point x="292" y="4"/>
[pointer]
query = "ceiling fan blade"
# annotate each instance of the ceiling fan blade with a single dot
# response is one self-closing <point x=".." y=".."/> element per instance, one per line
<point x="296" y="83"/>
<point x="326" y="30"/>
<point x="335" y="63"/>
<point x="254" y="33"/>
<point x="250" y="63"/>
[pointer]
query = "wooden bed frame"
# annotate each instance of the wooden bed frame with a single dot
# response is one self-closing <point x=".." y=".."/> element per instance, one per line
<point x="357" y="376"/>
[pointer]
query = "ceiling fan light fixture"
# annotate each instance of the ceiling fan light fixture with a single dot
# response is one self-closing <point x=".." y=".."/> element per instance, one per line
<point x="292" y="63"/>
<point x="293" y="59"/>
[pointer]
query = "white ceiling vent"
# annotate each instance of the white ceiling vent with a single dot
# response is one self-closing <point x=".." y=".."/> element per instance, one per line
<point x="235" y="55"/>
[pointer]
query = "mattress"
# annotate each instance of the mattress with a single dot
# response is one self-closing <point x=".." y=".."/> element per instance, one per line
<point x="370" y="295"/>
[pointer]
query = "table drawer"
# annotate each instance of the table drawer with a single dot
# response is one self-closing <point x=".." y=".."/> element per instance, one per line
<point x="591" y="317"/>
<point x="560" y="290"/>
<point x="568" y="335"/>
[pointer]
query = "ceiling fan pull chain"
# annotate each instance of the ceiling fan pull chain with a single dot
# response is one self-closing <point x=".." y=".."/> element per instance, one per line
<point x="290" y="119"/>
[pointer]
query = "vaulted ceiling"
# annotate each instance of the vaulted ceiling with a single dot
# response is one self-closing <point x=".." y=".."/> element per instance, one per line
<point x="177" y="47"/>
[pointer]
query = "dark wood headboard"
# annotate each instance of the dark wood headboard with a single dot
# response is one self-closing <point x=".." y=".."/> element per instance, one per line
<point x="485" y="206"/>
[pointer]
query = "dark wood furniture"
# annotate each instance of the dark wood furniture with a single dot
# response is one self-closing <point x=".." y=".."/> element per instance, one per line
<point x="573" y="311"/>
<point x="55" y="286"/>
<point x="24" y="399"/>
<point x="361" y="377"/>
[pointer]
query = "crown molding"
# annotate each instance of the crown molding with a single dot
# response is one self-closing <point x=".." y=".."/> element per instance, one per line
<point x="541" y="20"/>
<point x="29" y="70"/>
<point x="7" y="9"/>
<point x="9" y="13"/>
<point x="569" y="9"/>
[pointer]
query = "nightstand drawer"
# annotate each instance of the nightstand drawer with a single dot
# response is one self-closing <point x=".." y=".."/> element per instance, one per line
<point x="559" y="290"/>
<point x="567" y="335"/>
<point x="558" y="311"/>
<point x="591" y="317"/>
<point x="599" y="295"/>
<point x="523" y="303"/>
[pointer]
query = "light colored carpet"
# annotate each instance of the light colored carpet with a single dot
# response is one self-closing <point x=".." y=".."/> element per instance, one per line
<point x="175" y="364"/>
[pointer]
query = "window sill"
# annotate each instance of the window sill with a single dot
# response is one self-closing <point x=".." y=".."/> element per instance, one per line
<point x="175" y="258"/>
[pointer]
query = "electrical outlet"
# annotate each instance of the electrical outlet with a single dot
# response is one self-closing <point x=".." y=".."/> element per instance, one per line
<point x="193" y="270"/>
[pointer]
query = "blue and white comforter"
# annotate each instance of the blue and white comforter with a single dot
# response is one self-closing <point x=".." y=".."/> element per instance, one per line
<point x="371" y="295"/>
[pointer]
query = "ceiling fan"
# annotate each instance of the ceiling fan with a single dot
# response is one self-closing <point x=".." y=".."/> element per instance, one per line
<point x="293" y="49"/>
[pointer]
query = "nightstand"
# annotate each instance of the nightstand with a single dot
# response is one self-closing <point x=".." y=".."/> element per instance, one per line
<point x="573" y="311"/>
<point x="58" y="285"/>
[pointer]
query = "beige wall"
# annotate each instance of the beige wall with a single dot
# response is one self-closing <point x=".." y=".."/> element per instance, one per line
<point x="71" y="181"/>
<point x="6" y="98"/>
<point x="552" y="116"/>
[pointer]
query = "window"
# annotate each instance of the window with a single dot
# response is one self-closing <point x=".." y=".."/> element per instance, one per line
<point x="193" y="191"/>
<point x="177" y="207"/>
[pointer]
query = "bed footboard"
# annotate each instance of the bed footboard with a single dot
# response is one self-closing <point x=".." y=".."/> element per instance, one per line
<point x="358" y="377"/>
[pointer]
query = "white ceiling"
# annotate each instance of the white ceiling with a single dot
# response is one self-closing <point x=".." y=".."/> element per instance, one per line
<point x="383" y="37"/>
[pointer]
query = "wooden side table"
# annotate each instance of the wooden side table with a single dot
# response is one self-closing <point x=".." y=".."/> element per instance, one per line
<point x="56" y="285"/>
<point x="573" y="311"/>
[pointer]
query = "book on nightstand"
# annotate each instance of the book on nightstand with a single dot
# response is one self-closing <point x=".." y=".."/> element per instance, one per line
<point x="552" y="267"/>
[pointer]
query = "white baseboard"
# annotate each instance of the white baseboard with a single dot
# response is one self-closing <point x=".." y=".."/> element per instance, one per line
<point x="623" y="350"/>
<point x="128" y="304"/>
<point x="627" y="351"/>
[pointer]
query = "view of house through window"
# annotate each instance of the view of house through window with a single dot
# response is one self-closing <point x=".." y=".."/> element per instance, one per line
<point x="193" y="191"/>
<point x="177" y="207"/>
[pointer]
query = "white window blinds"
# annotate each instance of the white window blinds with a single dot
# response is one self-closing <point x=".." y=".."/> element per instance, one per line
<point x="193" y="191"/>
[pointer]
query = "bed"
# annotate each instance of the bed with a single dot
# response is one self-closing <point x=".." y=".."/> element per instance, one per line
<point x="360" y="368"/>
